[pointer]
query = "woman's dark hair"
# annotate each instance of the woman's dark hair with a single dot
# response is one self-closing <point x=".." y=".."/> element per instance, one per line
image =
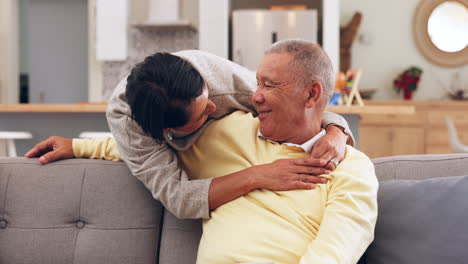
<point x="159" y="90"/>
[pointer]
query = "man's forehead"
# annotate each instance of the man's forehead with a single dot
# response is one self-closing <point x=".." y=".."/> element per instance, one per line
<point x="273" y="69"/>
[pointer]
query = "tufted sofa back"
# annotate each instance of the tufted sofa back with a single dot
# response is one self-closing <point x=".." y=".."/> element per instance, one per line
<point x="75" y="211"/>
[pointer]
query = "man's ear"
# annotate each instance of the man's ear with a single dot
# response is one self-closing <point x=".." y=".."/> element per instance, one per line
<point x="314" y="92"/>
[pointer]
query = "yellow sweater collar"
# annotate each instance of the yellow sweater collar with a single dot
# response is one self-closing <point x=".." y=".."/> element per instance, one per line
<point x="307" y="146"/>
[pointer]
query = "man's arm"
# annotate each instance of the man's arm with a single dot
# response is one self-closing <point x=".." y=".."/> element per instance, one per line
<point x="348" y="223"/>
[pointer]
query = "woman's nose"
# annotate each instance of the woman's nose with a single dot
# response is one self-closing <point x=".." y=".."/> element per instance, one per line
<point x="211" y="107"/>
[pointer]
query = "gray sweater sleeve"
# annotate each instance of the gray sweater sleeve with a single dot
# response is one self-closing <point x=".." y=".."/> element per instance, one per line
<point x="156" y="165"/>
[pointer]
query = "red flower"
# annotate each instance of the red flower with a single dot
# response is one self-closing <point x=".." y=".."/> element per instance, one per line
<point x="408" y="80"/>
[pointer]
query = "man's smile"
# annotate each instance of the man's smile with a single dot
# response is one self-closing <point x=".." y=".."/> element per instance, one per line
<point x="263" y="114"/>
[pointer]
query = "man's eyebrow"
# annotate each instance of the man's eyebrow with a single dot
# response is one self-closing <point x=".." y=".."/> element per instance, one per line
<point x="271" y="80"/>
<point x="268" y="79"/>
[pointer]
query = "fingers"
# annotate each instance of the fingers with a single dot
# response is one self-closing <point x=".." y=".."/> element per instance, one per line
<point x="318" y="151"/>
<point x="299" y="185"/>
<point x="34" y="152"/>
<point x="304" y="185"/>
<point x="62" y="149"/>
<point x="329" y="156"/>
<point x="313" y="179"/>
<point x="50" y="157"/>
<point x="330" y="166"/>
<point x="310" y="162"/>
<point x="39" y="149"/>
<point x="52" y="149"/>
<point x="302" y="182"/>
<point x="309" y="170"/>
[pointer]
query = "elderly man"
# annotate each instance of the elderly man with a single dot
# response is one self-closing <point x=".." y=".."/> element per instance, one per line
<point x="332" y="223"/>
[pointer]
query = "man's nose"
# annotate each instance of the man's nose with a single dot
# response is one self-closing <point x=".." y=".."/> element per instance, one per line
<point x="257" y="97"/>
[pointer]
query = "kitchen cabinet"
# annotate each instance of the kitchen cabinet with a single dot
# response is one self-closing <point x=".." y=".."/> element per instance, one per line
<point x="381" y="141"/>
<point x="424" y="132"/>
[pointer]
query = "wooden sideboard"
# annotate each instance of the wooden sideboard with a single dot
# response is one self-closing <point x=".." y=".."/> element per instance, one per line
<point x="424" y="132"/>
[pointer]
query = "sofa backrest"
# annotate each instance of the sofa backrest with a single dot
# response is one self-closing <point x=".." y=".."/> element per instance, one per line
<point x="75" y="211"/>
<point x="420" y="167"/>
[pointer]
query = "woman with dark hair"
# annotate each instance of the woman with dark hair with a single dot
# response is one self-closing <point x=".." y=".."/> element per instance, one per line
<point x="161" y="97"/>
<point x="166" y="103"/>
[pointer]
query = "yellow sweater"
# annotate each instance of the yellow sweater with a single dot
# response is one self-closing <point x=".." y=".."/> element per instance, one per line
<point x="333" y="223"/>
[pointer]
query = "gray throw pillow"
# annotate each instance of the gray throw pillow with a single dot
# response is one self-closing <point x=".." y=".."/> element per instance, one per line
<point x="421" y="222"/>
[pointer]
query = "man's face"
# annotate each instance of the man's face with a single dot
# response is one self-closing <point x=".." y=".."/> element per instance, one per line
<point x="199" y="110"/>
<point x="279" y="102"/>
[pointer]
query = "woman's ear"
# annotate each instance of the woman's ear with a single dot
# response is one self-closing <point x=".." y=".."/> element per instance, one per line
<point x="314" y="93"/>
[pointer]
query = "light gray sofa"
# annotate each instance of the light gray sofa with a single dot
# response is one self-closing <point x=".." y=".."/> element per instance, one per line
<point x="93" y="211"/>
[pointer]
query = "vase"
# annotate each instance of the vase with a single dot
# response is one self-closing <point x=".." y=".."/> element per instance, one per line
<point x="407" y="94"/>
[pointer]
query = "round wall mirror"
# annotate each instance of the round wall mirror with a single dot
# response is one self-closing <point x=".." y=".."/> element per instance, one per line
<point x="441" y="31"/>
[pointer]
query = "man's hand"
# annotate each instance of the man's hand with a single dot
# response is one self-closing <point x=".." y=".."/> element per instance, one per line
<point x="289" y="174"/>
<point x="332" y="146"/>
<point x="52" y="149"/>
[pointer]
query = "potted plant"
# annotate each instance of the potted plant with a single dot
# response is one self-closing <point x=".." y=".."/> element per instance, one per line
<point x="408" y="81"/>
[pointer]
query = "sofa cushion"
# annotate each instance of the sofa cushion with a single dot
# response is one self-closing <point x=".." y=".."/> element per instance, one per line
<point x="421" y="222"/>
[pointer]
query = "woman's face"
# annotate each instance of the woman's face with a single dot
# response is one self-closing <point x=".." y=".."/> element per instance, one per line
<point x="200" y="108"/>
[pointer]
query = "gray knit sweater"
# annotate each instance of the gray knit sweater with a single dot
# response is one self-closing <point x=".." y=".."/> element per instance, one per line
<point x="156" y="165"/>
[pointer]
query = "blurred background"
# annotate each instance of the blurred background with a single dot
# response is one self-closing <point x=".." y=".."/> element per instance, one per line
<point x="69" y="51"/>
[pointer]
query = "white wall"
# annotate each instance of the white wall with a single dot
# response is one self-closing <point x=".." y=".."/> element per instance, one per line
<point x="331" y="31"/>
<point x="189" y="11"/>
<point x="389" y="48"/>
<point x="95" y="78"/>
<point x="213" y="26"/>
<point x="9" y="52"/>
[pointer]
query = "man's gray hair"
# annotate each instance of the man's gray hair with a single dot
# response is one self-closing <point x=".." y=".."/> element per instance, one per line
<point x="311" y="61"/>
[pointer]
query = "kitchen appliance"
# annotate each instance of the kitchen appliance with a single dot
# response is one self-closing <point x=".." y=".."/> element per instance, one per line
<point x="254" y="30"/>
